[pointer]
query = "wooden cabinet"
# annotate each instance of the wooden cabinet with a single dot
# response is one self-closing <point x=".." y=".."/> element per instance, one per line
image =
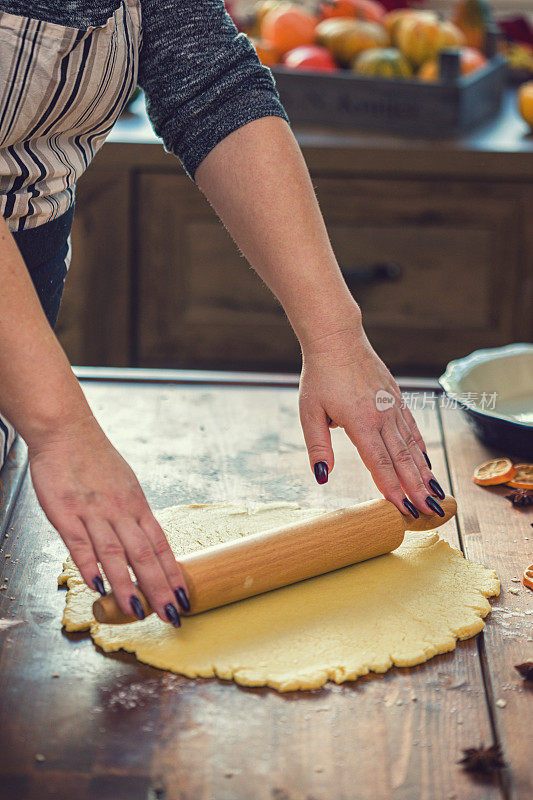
<point x="94" y="324"/>
<point x="202" y="306"/>
<point x="435" y="241"/>
<point x="435" y="269"/>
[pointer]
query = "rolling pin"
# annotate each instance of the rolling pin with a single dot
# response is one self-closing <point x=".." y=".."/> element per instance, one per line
<point x="271" y="559"/>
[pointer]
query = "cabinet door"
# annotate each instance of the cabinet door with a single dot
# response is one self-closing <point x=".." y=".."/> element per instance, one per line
<point x="94" y="324"/>
<point x="200" y="305"/>
<point x="434" y="267"/>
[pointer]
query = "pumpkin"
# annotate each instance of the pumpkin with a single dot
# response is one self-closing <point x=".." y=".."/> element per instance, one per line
<point x="260" y="10"/>
<point x="470" y="59"/>
<point x="421" y="38"/>
<point x="519" y="56"/>
<point x="367" y="10"/>
<point x="287" y="26"/>
<point x="525" y="102"/>
<point x="346" y="38"/>
<point x="382" y="62"/>
<point x="473" y="17"/>
<point x="392" y="20"/>
<point x="267" y="54"/>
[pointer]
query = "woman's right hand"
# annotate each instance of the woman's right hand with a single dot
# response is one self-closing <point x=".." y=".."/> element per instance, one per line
<point x="342" y="385"/>
<point x="93" y="499"/>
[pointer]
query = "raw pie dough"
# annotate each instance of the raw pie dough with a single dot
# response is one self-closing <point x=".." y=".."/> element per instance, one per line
<point x="400" y="609"/>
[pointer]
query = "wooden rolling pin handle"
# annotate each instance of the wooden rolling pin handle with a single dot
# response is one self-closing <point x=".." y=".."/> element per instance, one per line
<point x="106" y="609"/>
<point x="251" y="565"/>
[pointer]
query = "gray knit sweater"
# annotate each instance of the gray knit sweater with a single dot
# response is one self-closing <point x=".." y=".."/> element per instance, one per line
<point x="201" y="77"/>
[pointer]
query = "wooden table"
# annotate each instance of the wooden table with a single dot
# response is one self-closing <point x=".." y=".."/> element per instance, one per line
<point x="75" y="723"/>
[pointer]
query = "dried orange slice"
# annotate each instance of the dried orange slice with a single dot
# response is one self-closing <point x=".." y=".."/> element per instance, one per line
<point x="527" y="579"/>
<point x="498" y="470"/>
<point x="523" y="478"/>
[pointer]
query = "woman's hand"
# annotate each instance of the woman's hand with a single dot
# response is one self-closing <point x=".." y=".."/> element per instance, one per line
<point x="345" y="384"/>
<point x="91" y="496"/>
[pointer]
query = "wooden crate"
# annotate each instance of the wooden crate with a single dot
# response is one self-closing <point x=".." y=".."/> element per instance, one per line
<point x="446" y="108"/>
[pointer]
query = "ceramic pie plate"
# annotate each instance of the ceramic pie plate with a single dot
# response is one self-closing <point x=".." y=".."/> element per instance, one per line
<point x="494" y="388"/>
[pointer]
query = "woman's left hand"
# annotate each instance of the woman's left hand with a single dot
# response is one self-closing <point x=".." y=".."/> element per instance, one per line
<point x="344" y="383"/>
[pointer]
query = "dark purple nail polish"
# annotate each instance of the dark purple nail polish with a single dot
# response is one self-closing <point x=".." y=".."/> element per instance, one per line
<point x="182" y="599"/>
<point x="136" y="607"/>
<point x="99" y="585"/>
<point x="437" y="488"/>
<point x="428" y="462"/>
<point x="172" y="615"/>
<point x="411" y="508"/>
<point x="434" y="506"/>
<point x="321" y="472"/>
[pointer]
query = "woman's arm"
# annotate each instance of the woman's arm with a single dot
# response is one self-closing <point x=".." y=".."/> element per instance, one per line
<point x="201" y="77"/>
<point x="85" y="488"/>
<point x="217" y="109"/>
<point x="257" y="182"/>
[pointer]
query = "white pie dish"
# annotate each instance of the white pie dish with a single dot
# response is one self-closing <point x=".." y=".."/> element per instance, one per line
<point x="494" y="387"/>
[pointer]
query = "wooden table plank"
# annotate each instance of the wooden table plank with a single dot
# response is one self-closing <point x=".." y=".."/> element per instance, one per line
<point x="494" y="531"/>
<point x="113" y="728"/>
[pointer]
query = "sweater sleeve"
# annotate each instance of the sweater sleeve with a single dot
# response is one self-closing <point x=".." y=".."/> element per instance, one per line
<point x="202" y="78"/>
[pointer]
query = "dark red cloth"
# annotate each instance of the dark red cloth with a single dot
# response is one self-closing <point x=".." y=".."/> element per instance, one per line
<point x="517" y="29"/>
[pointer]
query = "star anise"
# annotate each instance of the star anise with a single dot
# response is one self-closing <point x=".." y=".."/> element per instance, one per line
<point x="520" y="497"/>
<point x="525" y="670"/>
<point x="482" y="759"/>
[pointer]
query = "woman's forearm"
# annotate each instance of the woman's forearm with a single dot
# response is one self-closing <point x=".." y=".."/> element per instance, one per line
<point x="38" y="390"/>
<point x="257" y="181"/>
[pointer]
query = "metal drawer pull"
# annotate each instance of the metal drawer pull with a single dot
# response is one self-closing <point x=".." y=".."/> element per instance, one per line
<point x="373" y="273"/>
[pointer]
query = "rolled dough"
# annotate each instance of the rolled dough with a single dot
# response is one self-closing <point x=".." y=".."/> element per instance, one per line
<point x="400" y="609"/>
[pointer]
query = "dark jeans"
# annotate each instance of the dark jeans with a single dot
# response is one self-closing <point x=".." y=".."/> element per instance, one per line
<point x="44" y="250"/>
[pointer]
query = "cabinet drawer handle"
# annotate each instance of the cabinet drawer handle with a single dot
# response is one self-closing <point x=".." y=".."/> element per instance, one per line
<point x="381" y="272"/>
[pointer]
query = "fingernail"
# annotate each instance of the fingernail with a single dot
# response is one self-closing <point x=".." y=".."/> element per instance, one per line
<point x="436" y="488"/>
<point x="410" y="507"/>
<point x="428" y="462"/>
<point x="172" y="615"/>
<point x="136" y="606"/>
<point x="434" y="506"/>
<point x="182" y="599"/>
<point x="321" y="472"/>
<point x="99" y="585"/>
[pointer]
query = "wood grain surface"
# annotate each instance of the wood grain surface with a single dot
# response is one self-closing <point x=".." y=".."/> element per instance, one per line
<point x="75" y="723"/>
<point x="493" y="530"/>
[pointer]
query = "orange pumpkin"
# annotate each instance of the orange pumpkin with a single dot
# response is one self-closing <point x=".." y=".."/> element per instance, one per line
<point x="470" y="59"/>
<point x="473" y="17"/>
<point x="525" y="102"/>
<point x="335" y="8"/>
<point x="288" y="26"/>
<point x="421" y="38"/>
<point x="367" y="10"/>
<point x="267" y="53"/>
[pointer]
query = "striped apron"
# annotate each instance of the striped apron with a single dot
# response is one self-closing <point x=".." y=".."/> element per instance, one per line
<point x="61" y="91"/>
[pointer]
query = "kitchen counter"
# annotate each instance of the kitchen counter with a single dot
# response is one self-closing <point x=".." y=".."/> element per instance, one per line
<point x="504" y="145"/>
